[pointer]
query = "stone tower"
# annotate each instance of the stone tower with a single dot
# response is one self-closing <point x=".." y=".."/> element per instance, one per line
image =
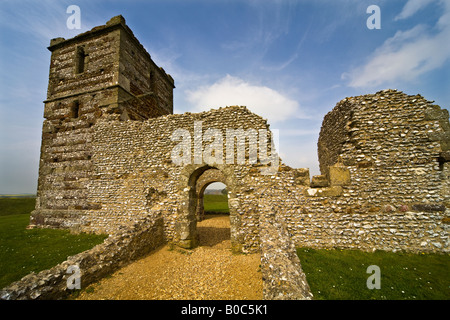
<point x="102" y="74"/>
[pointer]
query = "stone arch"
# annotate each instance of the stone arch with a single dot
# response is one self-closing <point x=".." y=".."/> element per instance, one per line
<point x="193" y="182"/>
<point x="207" y="177"/>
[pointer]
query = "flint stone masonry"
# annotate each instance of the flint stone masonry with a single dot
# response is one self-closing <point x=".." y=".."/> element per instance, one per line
<point x="385" y="156"/>
<point x="107" y="165"/>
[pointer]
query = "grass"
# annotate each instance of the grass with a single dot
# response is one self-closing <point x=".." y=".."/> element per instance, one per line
<point x="23" y="251"/>
<point x="341" y="274"/>
<point x="215" y="203"/>
<point x="11" y="206"/>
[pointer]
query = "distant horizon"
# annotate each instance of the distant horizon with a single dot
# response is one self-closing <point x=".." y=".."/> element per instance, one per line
<point x="19" y="195"/>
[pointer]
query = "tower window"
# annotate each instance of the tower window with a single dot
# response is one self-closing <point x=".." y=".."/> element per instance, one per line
<point x="80" y="61"/>
<point x="152" y="82"/>
<point x="75" y="109"/>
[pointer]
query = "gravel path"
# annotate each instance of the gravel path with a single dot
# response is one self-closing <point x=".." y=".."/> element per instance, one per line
<point x="208" y="272"/>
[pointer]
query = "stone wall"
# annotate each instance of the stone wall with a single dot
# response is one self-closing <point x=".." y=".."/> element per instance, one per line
<point x="134" y="172"/>
<point x="392" y="146"/>
<point x="365" y="200"/>
<point x="126" y="245"/>
<point x="384" y="158"/>
<point x="385" y="177"/>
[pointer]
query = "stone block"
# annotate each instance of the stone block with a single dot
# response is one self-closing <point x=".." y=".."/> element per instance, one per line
<point x="444" y="156"/>
<point x="56" y="41"/>
<point x="338" y="176"/>
<point x="319" y="181"/>
<point x="434" y="112"/>
<point x="187" y="244"/>
<point x="365" y="164"/>
<point x="116" y="20"/>
<point x="301" y="177"/>
<point x="334" y="191"/>
<point x="425" y="207"/>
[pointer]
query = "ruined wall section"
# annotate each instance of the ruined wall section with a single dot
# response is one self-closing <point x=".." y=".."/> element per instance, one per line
<point x="333" y="134"/>
<point x="134" y="171"/>
<point x="394" y="148"/>
<point x="395" y="194"/>
<point x="392" y="144"/>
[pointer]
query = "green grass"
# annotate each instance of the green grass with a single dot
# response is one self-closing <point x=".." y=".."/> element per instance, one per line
<point x="23" y="251"/>
<point x="341" y="274"/>
<point x="215" y="203"/>
<point x="9" y="206"/>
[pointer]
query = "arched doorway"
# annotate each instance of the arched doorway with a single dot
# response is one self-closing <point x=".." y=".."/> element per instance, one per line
<point x="215" y="200"/>
<point x="198" y="178"/>
<point x="205" y="180"/>
<point x="214" y="226"/>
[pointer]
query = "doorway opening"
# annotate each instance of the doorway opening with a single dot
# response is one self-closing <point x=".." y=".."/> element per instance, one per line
<point x="215" y="199"/>
<point x="214" y="225"/>
<point x="191" y="209"/>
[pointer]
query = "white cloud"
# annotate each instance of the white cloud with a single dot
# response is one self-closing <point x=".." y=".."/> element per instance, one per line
<point x="411" y="7"/>
<point x="261" y="100"/>
<point x="407" y="55"/>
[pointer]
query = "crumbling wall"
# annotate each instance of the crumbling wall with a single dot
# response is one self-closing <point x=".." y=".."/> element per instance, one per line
<point x="133" y="158"/>
<point x="333" y="134"/>
<point x="393" y="147"/>
<point x="386" y="185"/>
<point x="281" y="269"/>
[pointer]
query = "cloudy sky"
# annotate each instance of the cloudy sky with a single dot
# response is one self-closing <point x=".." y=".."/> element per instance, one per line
<point x="289" y="61"/>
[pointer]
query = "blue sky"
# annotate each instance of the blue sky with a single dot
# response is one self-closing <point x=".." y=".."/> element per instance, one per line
<point x="289" y="61"/>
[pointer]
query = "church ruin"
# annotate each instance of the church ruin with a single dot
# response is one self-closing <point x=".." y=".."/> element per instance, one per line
<point x="107" y="163"/>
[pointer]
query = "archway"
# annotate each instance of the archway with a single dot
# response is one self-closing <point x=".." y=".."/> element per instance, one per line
<point x="197" y="180"/>
<point x="214" y="226"/>
<point x="215" y="200"/>
<point x="207" y="178"/>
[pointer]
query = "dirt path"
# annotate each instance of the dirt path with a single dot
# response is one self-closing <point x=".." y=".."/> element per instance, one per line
<point x="208" y="272"/>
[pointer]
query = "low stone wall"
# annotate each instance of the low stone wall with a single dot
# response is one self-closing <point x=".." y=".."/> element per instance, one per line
<point x="408" y="231"/>
<point x="283" y="277"/>
<point x="116" y="251"/>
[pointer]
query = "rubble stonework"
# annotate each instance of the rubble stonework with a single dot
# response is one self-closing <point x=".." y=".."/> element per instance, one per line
<point x="385" y="156"/>
<point x="107" y="165"/>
